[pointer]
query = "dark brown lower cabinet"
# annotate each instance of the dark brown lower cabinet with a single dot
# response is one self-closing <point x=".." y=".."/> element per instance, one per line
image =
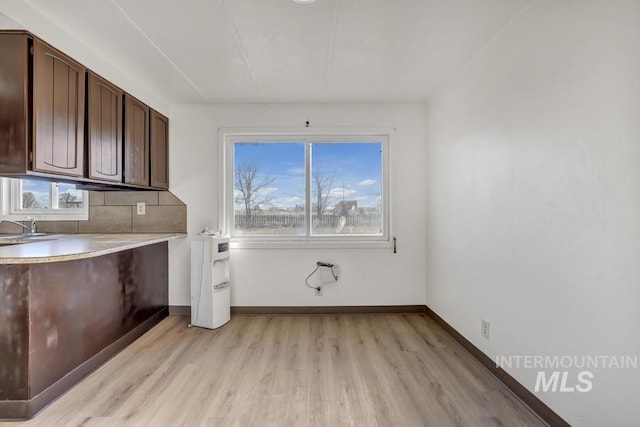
<point x="60" y="320"/>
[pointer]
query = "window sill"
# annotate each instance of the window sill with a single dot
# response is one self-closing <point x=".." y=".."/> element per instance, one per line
<point x="322" y="244"/>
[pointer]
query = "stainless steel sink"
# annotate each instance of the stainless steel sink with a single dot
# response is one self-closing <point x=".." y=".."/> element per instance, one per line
<point x="24" y="237"/>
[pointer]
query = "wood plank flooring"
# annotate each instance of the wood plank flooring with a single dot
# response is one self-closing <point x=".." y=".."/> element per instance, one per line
<point x="318" y="370"/>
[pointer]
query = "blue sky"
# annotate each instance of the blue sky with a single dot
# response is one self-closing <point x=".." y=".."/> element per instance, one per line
<point x="40" y="190"/>
<point x="356" y="170"/>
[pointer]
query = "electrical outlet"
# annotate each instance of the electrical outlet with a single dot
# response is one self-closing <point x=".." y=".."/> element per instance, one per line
<point x="485" y="328"/>
<point x="319" y="291"/>
<point x="141" y="208"/>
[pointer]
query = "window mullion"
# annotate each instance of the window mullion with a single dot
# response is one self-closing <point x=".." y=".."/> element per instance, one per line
<point x="308" y="206"/>
<point x="18" y="193"/>
<point x="53" y="192"/>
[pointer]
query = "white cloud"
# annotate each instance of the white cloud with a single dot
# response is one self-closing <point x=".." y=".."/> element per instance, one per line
<point x="286" y="201"/>
<point x="43" y="198"/>
<point x="367" y="182"/>
<point x="296" y="171"/>
<point x="263" y="191"/>
<point x="341" y="192"/>
<point x="267" y="190"/>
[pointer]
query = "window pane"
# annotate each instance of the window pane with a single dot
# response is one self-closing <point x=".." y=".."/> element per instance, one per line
<point x="36" y="194"/>
<point x="69" y="197"/>
<point x="346" y="188"/>
<point x="269" y="188"/>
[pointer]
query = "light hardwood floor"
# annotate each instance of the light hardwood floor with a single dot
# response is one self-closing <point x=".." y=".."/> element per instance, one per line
<point x="333" y="370"/>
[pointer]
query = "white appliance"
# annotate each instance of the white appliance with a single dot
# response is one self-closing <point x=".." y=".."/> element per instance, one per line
<point x="210" y="285"/>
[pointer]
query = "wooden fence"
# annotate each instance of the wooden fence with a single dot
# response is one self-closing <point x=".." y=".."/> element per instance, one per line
<point x="261" y="220"/>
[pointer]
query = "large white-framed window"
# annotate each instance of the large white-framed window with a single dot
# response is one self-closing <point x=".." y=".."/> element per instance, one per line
<point x="306" y="188"/>
<point x="42" y="200"/>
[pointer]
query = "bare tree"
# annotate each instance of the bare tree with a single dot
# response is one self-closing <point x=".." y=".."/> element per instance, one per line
<point x="250" y="187"/>
<point x="323" y="188"/>
<point x="68" y="200"/>
<point x="29" y="201"/>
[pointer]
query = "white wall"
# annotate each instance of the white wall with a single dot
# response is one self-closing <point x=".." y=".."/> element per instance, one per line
<point x="533" y="198"/>
<point x="276" y="277"/>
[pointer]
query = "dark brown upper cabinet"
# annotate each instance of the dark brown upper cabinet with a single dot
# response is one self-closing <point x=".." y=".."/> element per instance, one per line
<point x="61" y="123"/>
<point x="58" y="112"/>
<point x="136" y="142"/>
<point x="104" y="125"/>
<point x="14" y="103"/>
<point x="159" y="147"/>
<point x="41" y="109"/>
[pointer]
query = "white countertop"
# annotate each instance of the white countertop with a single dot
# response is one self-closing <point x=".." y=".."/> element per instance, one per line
<point x="66" y="247"/>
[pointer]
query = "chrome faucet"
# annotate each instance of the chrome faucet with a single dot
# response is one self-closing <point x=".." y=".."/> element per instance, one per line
<point x="32" y="227"/>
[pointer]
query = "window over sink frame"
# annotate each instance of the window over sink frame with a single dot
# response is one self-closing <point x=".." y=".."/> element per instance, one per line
<point x="12" y="206"/>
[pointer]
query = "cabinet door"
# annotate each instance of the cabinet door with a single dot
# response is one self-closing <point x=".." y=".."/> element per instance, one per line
<point x="58" y="112"/>
<point x="136" y="142"/>
<point x="159" y="150"/>
<point x="105" y="130"/>
<point x="14" y="102"/>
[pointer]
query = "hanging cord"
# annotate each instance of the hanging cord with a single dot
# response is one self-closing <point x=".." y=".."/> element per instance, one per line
<point x="333" y="273"/>
<point x="317" y="288"/>
<point x="328" y="265"/>
<point x="318" y="265"/>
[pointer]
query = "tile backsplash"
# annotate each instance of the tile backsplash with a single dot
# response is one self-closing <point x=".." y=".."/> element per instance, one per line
<point x="115" y="212"/>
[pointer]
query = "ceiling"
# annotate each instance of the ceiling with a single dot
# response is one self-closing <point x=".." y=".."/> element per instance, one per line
<point x="279" y="51"/>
